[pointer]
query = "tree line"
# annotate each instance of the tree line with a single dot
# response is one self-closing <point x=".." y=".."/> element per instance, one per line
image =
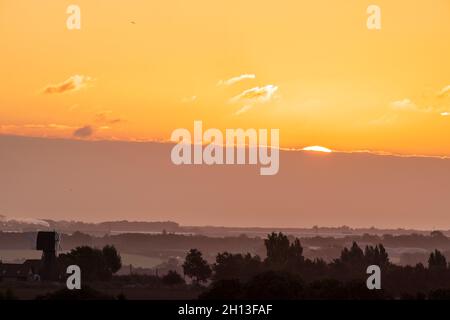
<point x="286" y="274"/>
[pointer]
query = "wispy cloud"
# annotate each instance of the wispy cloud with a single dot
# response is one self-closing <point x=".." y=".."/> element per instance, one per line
<point x="33" y="126"/>
<point x="405" y="104"/>
<point x="237" y="79"/>
<point x="445" y="114"/>
<point x="105" y="118"/>
<point x="385" y="119"/>
<point x="242" y="110"/>
<point x="253" y="96"/>
<point x="74" y="83"/>
<point x="189" y="99"/>
<point x="444" y="92"/>
<point x="83" y="132"/>
<point x="408" y="105"/>
<point x="257" y="94"/>
<point x="48" y="126"/>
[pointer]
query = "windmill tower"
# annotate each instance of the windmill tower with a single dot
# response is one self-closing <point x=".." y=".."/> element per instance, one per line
<point x="47" y="242"/>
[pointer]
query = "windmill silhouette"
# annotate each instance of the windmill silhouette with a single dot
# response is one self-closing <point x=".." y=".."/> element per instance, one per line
<point x="49" y="243"/>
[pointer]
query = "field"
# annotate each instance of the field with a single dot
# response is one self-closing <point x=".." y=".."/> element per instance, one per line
<point x="18" y="256"/>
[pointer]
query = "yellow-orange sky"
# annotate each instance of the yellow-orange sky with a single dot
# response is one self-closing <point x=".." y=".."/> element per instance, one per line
<point x="335" y="83"/>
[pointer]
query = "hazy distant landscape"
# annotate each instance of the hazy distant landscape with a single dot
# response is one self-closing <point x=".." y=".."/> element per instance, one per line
<point x="152" y="258"/>
<point x="148" y="245"/>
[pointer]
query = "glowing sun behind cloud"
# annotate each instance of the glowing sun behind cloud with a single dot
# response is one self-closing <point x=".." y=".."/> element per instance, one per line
<point x="317" y="149"/>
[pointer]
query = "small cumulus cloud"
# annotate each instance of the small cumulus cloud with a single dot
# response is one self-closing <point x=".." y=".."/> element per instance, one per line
<point x="445" y="114"/>
<point x="83" y="132"/>
<point x="74" y="83"/>
<point x="237" y="79"/>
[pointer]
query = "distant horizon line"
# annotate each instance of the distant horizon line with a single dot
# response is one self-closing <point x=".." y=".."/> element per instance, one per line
<point x="35" y="221"/>
<point x="289" y="149"/>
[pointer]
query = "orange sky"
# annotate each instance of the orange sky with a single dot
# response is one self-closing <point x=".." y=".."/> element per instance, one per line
<point x="310" y="68"/>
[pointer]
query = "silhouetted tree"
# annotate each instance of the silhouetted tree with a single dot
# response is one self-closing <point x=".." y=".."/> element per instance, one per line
<point x="353" y="256"/>
<point x="95" y="264"/>
<point x="296" y="252"/>
<point x="437" y="261"/>
<point x="172" y="278"/>
<point x="236" y="266"/>
<point x="196" y="267"/>
<point x="112" y="258"/>
<point x="376" y="255"/>
<point x="278" y="248"/>
<point x="281" y="254"/>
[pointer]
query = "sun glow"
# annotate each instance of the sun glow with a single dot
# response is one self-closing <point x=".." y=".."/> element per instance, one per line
<point x="317" y="149"/>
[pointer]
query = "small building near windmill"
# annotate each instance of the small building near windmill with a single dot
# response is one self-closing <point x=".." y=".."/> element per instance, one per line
<point x="27" y="271"/>
<point x="34" y="269"/>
